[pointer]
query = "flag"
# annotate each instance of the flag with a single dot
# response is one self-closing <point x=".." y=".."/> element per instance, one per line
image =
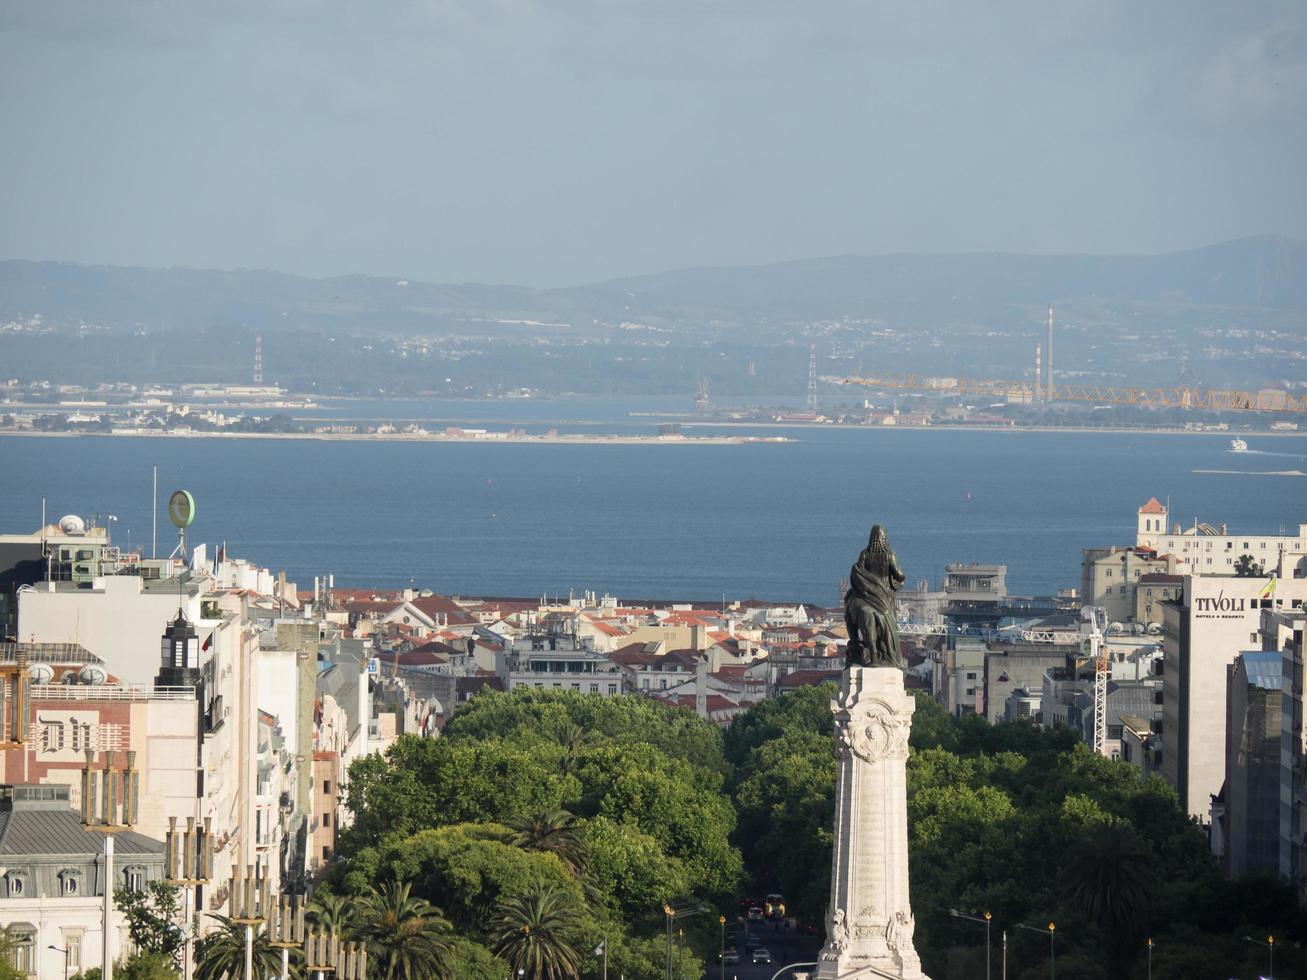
<point x="1269" y="589"/>
<point x="602" y="948"/>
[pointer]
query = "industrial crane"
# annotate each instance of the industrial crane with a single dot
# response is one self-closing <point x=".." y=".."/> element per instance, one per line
<point x="1214" y="399"/>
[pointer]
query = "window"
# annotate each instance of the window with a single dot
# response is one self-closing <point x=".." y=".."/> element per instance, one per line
<point x="326" y="786"/>
<point x="24" y="936"/>
<point x="73" y="943"/>
<point x="326" y="819"/>
<point x="17" y="883"/>
<point x="971" y="675"/>
<point x="68" y="882"/>
<point x="326" y="853"/>
<point x="135" y="878"/>
<point x="612" y="688"/>
<point x="594" y="688"/>
<point x="1109" y="573"/>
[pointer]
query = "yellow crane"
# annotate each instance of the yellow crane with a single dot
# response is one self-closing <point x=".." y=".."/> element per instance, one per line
<point x="1214" y="399"/>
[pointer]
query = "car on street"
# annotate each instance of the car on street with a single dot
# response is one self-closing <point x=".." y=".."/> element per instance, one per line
<point x="760" y="955"/>
<point x="755" y="913"/>
<point x="730" y="957"/>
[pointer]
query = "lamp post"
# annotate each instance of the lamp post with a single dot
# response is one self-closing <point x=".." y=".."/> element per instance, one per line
<point x="1150" y="958"/>
<point x="985" y="921"/>
<point x="1270" y="952"/>
<point x="721" y="954"/>
<point x="115" y="815"/>
<point x="64" y="950"/>
<point x="248" y="904"/>
<point x="1051" y="933"/>
<point x="286" y="930"/>
<point x="188" y="863"/>
<point x="324" y="953"/>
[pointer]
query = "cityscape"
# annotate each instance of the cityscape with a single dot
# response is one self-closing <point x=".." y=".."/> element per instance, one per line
<point x="653" y="490"/>
<point x="349" y="750"/>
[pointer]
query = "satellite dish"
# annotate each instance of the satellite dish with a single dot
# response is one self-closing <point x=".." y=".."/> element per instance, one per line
<point x="72" y="524"/>
<point x="92" y="674"/>
<point x="40" y="673"/>
<point x="181" y="508"/>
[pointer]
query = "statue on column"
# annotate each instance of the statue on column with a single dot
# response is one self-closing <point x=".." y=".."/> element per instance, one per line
<point x="869" y="610"/>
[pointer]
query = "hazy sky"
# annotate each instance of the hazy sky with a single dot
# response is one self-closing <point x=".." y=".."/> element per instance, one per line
<point x="552" y="142"/>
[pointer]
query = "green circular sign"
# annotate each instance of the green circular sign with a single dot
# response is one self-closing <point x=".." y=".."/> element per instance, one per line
<point x="181" y="508"/>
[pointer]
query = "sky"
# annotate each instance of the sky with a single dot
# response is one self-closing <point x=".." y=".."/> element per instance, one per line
<point x="560" y="142"/>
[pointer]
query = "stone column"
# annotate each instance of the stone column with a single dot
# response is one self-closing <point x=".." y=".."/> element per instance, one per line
<point x="869" y="920"/>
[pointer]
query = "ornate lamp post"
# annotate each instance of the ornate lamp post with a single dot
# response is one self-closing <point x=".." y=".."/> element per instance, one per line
<point x="249" y="902"/>
<point x="119" y="797"/>
<point x="188" y="864"/>
<point x="1270" y="950"/>
<point x="324" y="953"/>
<point x="286" y="930"/>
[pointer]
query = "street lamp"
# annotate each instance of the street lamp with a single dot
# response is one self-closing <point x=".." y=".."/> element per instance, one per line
<point x="249" y="902"/>
<point x="188" y="864"/>
<point x="111" y="820"/>
<point x="721" y="955"/>
<point x="64" y="950"/>
<point x="1150" y="958"/>
<point x="1051" y="933"/>
<point x="986" y="920"/>
<point x="1270" y="951"/>
<point x="286" y="930"/>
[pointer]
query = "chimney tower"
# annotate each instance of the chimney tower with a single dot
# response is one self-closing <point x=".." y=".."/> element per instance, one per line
<point x="1048" y="388"/>
<point x="1039" y="376"/>
<point x="258" y="357"/>
<point x="812" y="378"/>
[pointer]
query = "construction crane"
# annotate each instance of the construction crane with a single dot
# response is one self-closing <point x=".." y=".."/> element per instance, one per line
<point x="1214" y="399"/>
<point x="1092" y="628"/>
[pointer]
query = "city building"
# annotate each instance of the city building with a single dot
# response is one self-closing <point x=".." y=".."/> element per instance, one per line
<point x="52" y="889"/>
<point x="1110" y="578"/>
<point x="1215" y="618"/>
<point x="1252" y="764"/>
<point x="1283" y="631"/>
<point x="1204" y="549"/>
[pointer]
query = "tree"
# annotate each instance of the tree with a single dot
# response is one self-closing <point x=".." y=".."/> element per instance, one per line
<point x="1246" y="566"/>
<point x="152" y="918"/>
<point x="334" y="913"/>
<point x="556" y="832"/>
<point x="536" y="932"/>
<point x="8" y="943"/>
<point x="408" y="936"/>
<point x="221" y="954"/>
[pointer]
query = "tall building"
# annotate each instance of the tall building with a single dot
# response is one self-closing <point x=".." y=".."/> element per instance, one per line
<point x="1216" y="618"/>
<point x="1283" y="631"/>
<point x="1252" y="764"/>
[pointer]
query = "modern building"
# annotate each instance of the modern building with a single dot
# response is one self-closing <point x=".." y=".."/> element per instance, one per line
<point x="974" y="594"/>
<point x="958" y="680"/>
<point x="558" y="661"/>
<point x="1216" y="617"/>
<point x="1283" y="631"/>
<point x="1204" y="549"/>
<point x="1252" y="764"/>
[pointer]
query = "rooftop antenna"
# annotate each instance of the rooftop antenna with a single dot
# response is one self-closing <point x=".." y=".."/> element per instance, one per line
<point x="181" y="512"/>
<point x="154" y="519"/>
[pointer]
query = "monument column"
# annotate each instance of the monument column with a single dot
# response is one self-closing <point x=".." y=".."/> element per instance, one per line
<point x="869" y="921"/>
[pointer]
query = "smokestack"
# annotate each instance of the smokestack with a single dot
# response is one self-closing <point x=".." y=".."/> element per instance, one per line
<point x="1049" y="387"/>
<point x="1039" y="374"/>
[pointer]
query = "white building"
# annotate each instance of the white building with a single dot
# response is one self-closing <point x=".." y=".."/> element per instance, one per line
<point x="1207" y="550"/>
<point x="1217" y="617"/>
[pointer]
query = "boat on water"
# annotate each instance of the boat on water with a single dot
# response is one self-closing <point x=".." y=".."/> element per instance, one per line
<point x="1238" y="446"/>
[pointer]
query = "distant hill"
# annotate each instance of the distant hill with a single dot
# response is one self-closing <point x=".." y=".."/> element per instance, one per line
<point x="1266" y="272"/>
<point x="1227" y="315"/>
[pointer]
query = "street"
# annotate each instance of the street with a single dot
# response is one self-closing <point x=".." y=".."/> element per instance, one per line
<point x="785" y="946"/>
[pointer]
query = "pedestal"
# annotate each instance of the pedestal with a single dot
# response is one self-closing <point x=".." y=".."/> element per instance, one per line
<point x="869" y="920"/>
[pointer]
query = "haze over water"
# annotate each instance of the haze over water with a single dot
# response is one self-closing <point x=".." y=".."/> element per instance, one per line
<point x="769" y="521"/>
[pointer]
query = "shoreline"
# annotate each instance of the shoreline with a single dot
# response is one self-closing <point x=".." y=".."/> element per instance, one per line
<point x="540" y="440"/>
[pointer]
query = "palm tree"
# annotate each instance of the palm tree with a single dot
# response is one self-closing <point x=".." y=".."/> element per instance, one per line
<point x="335" y="913"/>
<point x="1109" y="880"/>
<point x="555" y="832"/>
<point x="535" y="932"/>
<point x="573" y="738"/>
<point x="409" y="937"/>
<point x="221" y="954"/>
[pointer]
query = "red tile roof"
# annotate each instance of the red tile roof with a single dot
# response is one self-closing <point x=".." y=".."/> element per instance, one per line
<point x="1152" y="507"/>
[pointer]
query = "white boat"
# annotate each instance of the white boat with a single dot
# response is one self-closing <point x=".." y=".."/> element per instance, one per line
<point x="1238" y="446"/>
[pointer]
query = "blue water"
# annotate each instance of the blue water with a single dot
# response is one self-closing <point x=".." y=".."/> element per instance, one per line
<point x="767" y="521"/>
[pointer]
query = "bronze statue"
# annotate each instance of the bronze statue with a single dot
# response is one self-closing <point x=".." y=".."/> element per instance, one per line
<point x="869" y="611"/>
